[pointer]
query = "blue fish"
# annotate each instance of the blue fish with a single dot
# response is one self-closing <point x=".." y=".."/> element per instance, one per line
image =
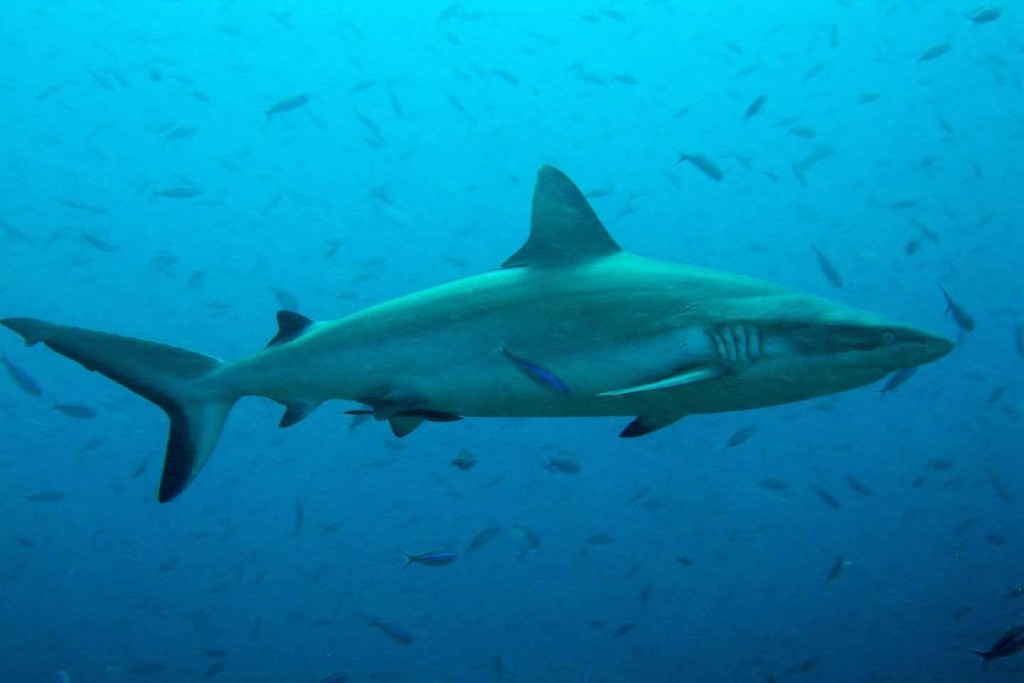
<point x="392" y="631"/>
<point x="435" y="558"/>
<point x="539" y="374"/>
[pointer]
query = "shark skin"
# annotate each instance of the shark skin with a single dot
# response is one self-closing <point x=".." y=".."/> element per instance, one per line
<point x="569" y="326"/>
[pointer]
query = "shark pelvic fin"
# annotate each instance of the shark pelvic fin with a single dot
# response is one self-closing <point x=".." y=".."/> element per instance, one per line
<point x="175" y="379"/>
<point x="290" y="325"/>
<point x="676" y="379"/>
<point x="297" y="412"/>
<point x="564" y="230"/>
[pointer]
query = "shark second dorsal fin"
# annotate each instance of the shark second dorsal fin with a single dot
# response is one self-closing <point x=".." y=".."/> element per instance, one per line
<point x="564" y="229"/>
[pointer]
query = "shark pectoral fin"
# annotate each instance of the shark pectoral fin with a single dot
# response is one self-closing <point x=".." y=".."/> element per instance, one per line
<point x="645" y="424"/>
<point x="676" y="379"/>
<point x="290" y="325"/>
<point x="297" y="412"/>
<point x="180" y="381"/>
<point x="564" y="230"/>
<point x="403" y="424"/>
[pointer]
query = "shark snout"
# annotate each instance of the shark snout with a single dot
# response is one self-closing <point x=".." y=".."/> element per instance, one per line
<point x="913" y="346"/>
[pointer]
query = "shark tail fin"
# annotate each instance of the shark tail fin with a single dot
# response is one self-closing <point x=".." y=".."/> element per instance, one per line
<point x="173" y="378"/>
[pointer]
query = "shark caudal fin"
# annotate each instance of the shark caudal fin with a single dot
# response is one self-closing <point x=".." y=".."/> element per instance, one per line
<point x="175" y="379"/>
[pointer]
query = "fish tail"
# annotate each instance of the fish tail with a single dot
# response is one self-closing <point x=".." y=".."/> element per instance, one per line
<point x="177" y="380"/>
<point x="949" y="300"/>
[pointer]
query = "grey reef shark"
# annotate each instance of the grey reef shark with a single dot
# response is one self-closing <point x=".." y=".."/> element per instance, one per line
<point x="569" y="326"/>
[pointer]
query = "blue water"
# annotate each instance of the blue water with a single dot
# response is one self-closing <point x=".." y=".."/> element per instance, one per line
<point x="411" y="165"/>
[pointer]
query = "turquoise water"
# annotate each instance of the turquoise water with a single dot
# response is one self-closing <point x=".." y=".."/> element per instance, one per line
<point x="147" y="192"/>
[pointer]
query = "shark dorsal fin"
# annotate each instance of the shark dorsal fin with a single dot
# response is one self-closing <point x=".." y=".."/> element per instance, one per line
<point x="289" y="326"/>
<point x="564" y="229"/>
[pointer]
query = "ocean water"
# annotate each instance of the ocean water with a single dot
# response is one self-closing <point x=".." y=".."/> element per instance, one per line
<point x="146" y="191"/>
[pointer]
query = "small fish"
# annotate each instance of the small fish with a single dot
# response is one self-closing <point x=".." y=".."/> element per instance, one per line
<point x="213" y="669"/>
<point x="703" y="164"/>
<point x="434" y="558"/>
<point x="179" y="192"/>
<point x="563" y="465"/>
<point x="817" y="155"/>
<point x="179" y="133"/>
<point x="288" y="104"/>
<point x="540" y="375"/>
<point x="286" y="299"/>
<point x="334" y="678"/>
<point x="903" y="204"/>
<point x="827" y="498"/>
<point x="806" y="666"/>
<point x="934" y="52"/>
<point x="483" y="538"/>
<point x="624" y="629"/>
<point x="98" y="243"/>
<point x="506" y="76"/>
<point x="148" y="668"/>
<point x="81" y="206"/>
<point x="529" y="537"/>
<point x="813" y="71"/>
<point x="300" y="517"/>
<point x="1011" y="642"/>
<point x="837" y="569"/>
<point x="1018" y="338"/>
<point x="46" y="497"/>
<point x="76" y="410"/>
<point x="740" y="437"/>
<point x="754" y="107"/>
<point x="857" y="486"/>
<point x="464" y="461"/>
<point x="392" y="631"/>
<point x="896" y="379"/>
<point x="685" y="561"/>
<point x="772" y="484"/>
<point x="962" y="318"/>
<point x="984" y="15"/>
<point x="600" y="538"/>
<point x="21" y="377"/>
<point x="645" y="594"/>
<point x="997" y="393"/>
<point x="827" y="268"/>
<point x="363" y="85"/>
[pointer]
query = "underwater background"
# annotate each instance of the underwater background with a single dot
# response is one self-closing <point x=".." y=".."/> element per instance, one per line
<point x="147" y="191"/>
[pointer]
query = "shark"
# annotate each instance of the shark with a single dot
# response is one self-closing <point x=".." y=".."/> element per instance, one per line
<point x="570" y="325"/>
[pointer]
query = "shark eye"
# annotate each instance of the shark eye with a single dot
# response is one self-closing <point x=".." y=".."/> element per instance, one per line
<point x="888" y="337"/>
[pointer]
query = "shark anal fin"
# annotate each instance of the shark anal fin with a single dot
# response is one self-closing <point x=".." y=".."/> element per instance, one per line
<point x="290" y="325"/>
<point x="645" y="424"/>
<point x="402" y="425"/>
<point x="676" y="379"/>
<point x="297" y="412"/>
<point x="564" y="229"/>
